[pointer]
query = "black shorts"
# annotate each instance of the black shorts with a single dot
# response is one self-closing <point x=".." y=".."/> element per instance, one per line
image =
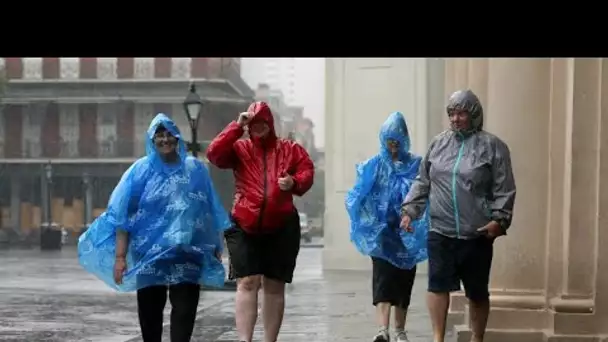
<point x="391" y="284"/>
<point x="272" y="255"/>
<point x="454" y="260"/>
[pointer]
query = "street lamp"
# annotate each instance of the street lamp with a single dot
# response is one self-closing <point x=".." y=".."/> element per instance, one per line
<point x="192" y="106"/>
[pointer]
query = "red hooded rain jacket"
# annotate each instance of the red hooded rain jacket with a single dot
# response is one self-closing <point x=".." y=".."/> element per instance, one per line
<point x="259" y="205"/>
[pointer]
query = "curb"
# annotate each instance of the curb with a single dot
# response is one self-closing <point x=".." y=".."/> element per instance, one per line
<point x="315" y="245"/>
<point x="229" y="286"/>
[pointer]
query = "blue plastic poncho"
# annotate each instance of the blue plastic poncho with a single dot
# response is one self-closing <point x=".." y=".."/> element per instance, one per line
<point x="174" y="219"/>
<point x="374" y="202"/>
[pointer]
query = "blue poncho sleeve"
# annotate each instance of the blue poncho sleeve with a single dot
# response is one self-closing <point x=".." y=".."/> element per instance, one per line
<point x="97" y="245"/>
<point x="124" y="200"/>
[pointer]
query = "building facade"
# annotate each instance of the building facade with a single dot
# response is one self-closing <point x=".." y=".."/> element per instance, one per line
<point x="549" y="272"/>
<point x="301" y="80"/>
<point x="86" y="118"/>
<point x="277" y="73"/>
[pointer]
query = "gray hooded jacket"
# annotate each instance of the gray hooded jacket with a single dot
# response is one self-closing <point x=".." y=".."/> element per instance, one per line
<point x="465" y="177"/>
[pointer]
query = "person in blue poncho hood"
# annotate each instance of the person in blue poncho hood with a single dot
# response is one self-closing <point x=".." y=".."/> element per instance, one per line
<point x="374" y="206"/>
<point x="161" y="232"/>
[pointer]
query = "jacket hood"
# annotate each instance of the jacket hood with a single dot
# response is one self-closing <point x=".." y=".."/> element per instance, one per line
<point x="162" y="119"/>
<point x="261" y="112"/>
<point x="466" y="100"/>
<point x="395" y="128"/>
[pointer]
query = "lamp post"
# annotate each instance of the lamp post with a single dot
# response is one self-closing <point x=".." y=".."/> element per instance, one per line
<point x="192" y="106"/>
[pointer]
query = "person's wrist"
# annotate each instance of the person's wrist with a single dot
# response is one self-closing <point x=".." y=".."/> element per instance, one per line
<point x="120" y="257"/>
<point x="293" y="182"/>
<point x="502" y="224"/>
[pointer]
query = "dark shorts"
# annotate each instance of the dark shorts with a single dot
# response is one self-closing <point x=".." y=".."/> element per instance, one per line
<point x="454" y="260"/>
<point x="272" y="255"/>
<point x="391" y="284"/>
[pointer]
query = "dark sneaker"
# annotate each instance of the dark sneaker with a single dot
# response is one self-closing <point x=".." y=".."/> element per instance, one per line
<point x="382" y="336"/>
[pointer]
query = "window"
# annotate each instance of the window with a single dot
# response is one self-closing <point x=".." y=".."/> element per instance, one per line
<point x="107" y="114"/>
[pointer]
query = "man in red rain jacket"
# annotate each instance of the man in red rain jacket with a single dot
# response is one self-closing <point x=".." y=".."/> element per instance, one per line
<point x="265" y="240"/>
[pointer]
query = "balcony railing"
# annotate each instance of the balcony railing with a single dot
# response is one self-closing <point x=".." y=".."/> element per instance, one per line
<point x="74" y="149"/>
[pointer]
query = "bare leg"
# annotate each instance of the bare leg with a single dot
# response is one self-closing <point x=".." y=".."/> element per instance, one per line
<point x="400" y="317"/>
<point x="383" y="314"/>
<point x="479" y="311"/>
<point x="438" y="304"/>
<point x="273" y="308"/>
<point x="247" y="306"/>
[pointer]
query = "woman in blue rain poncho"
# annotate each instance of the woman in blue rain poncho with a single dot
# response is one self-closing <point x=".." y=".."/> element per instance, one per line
<point x="374" y="206"/>
<point x="161" y="231"/>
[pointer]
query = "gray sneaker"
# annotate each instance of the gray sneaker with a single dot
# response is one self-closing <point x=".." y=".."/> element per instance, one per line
<point x="382" y="336"/>
<point x="402" y="337"/>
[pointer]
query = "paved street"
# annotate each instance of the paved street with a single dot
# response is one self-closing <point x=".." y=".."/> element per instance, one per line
<point x="47" y="297"/>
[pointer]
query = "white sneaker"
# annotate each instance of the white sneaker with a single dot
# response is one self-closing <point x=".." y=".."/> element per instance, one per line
<point x="382" y="336"/>
<point x="402" y="337"/>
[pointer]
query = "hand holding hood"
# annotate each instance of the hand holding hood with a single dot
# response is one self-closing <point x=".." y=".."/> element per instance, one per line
<point x="261" y="112"/>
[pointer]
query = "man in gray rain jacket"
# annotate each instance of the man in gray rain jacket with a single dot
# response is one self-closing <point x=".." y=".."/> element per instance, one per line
<point x="467" y="180"/>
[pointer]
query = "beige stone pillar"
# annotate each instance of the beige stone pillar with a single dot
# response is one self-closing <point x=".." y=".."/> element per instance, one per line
<point x="571" y="304"/>
<point x="550" y="270"/>
<point x="360" y="94"/>
<point x="601" y="264"/>
<point x="478" y="78"/>
<point x="456" y="78"/>
<point x="517" y="111"/>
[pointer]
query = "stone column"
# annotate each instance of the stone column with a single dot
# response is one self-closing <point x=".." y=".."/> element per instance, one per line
<point x="478" y="78"/>
<point x="44" y="188"/>
<point x="517" y="111"/>
<point x="435" y="96"/>
<point x="15" y="205"/>
<point x="601" y="260"/>
<point x="361" y="93"/>
<point x="338" y="253"/>
<point x="572" y="276"/>
<point x="456" y="78"/>
<point x="88" y="199"/>
<point x="549" y="271"/>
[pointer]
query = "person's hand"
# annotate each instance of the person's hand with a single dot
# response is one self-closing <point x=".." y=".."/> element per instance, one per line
<point x="406" y="223"/>
<point x="218" y="254"/>
<point x="286" y="183"/>
<point x="491" y="230"/>
<point x="120" y="267"/>
<point x="244" y="118"/>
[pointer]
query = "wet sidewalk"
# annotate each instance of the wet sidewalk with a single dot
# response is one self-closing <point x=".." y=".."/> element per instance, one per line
<point x="47" y="297"/>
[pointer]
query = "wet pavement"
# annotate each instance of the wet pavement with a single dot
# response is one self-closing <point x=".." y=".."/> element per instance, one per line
<point x="48" y="297"/>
